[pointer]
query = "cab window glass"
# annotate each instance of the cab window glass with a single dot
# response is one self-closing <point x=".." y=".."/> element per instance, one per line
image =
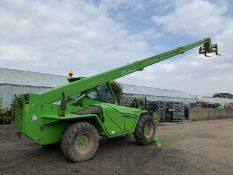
<point x="102" y="93"/>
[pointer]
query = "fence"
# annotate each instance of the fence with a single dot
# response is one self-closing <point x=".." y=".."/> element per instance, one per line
<point x="168" y="108"/>
<point x="210" y="114"/>
<point x="174" y="108"/>
<point x="127" y="98"/>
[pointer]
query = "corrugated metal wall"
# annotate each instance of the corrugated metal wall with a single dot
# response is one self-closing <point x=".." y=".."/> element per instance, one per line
<point x="7" y="92"/>
<point x="1" y="103"/>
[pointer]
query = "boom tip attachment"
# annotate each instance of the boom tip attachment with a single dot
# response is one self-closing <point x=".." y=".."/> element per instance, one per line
<point x="208" y="48"/>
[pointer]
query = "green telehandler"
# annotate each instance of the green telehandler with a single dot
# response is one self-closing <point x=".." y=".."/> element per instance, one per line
<point x="76" y="114"/>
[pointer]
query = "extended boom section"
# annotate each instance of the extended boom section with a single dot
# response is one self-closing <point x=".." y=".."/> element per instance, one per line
<point x="57" y="94"/>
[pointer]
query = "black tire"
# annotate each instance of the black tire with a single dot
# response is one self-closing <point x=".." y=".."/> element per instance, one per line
<point x="72" y="149"/>
<point x="140" y="135"/>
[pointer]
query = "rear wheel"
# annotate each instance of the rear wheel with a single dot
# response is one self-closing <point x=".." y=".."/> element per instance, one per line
<point x="145" y="130"/>
<point x="80" y="142"/>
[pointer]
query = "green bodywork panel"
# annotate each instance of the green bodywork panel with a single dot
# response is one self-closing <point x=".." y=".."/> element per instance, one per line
<point x="42" y="118"/>
<point x="42" y="123"/>
<point x="119" y="120"/>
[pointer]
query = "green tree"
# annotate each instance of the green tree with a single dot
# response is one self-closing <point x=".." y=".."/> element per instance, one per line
<point x="223" y="95"/>
<point x="117" y="89"/>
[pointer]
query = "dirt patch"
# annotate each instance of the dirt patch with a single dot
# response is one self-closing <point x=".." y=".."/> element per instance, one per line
<point x="188" y="148"/>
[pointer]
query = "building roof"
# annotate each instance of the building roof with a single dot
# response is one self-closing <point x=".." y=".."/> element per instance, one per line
<point x="28" y="78"/>
<point x="36" y="79"/>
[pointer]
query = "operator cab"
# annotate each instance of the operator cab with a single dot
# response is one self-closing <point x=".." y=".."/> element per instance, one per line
<point x="102" y="93"/>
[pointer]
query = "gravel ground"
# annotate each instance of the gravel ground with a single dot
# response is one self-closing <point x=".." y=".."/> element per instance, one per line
<point x="204" y="147"/>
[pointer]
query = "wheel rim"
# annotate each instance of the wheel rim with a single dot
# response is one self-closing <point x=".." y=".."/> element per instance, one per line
<point x="82" y="143"/>
<point x="148" y="130"/>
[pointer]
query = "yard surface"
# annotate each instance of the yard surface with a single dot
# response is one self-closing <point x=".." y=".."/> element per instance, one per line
<point x="203" y="147"/>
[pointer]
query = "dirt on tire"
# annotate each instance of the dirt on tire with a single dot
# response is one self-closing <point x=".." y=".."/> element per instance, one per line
<point x="68" y="143"/>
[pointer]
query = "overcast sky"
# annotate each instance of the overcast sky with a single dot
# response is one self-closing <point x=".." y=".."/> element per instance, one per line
<point x="94" y="36"/>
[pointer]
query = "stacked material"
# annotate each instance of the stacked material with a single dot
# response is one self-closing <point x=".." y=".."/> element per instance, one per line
<point x="168" y="111"/>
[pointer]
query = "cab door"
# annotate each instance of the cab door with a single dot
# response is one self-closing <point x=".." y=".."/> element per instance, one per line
<point x="122" y="118"/>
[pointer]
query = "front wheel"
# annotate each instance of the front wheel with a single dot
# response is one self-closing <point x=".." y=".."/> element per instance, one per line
<point x="80" y="142"/>
<point x="145" y="130"/>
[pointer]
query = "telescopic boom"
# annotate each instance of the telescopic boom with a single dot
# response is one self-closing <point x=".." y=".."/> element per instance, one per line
<point x="76" y="87"/>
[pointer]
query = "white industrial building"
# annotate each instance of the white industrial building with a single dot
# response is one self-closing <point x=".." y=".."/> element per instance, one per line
<point x="14" y="81"/>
